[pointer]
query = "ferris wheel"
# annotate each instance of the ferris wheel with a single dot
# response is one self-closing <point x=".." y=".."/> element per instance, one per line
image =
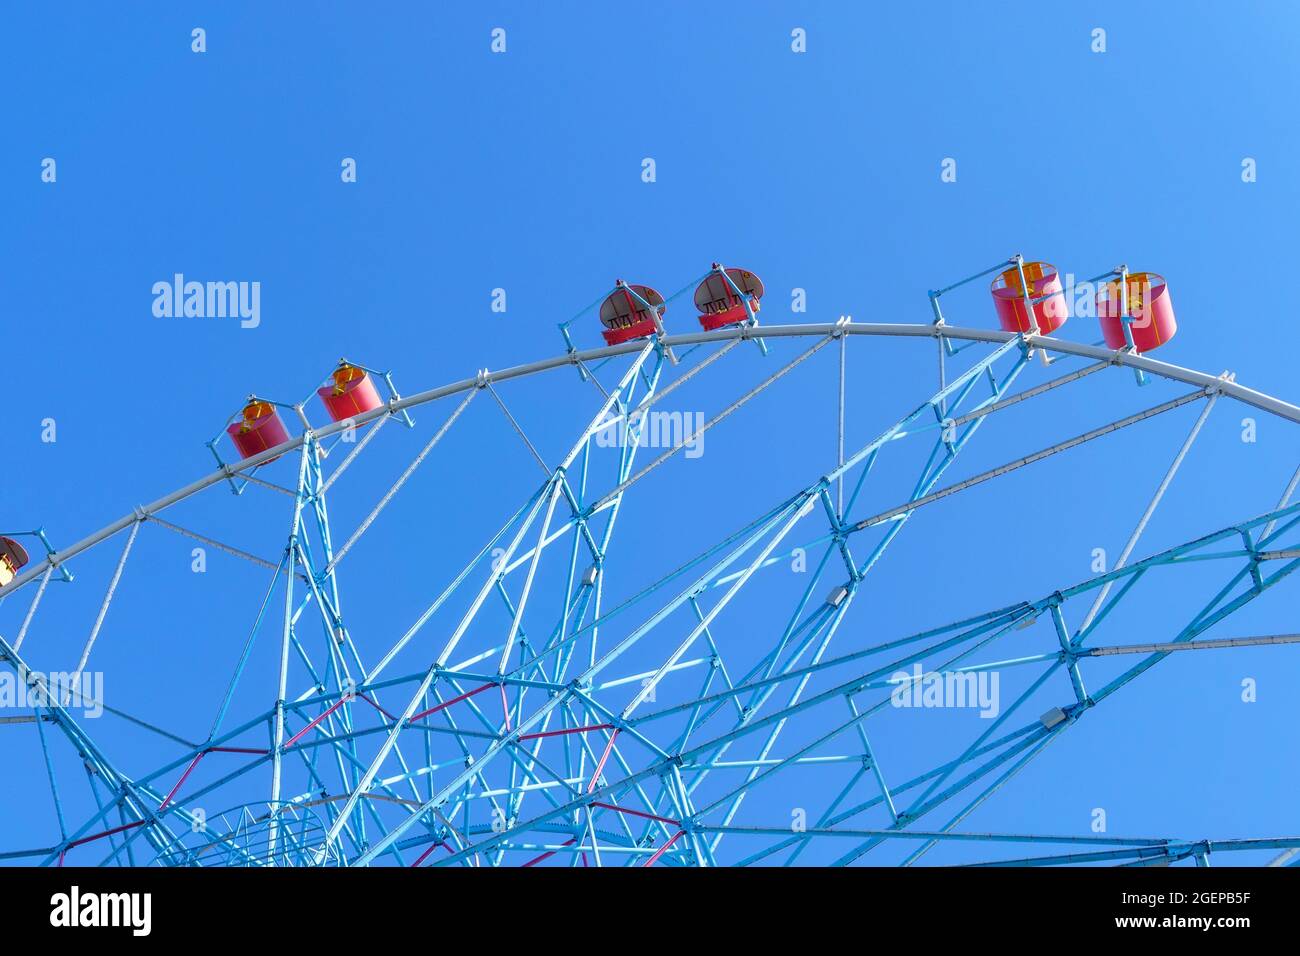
<point x="553" y="701"/>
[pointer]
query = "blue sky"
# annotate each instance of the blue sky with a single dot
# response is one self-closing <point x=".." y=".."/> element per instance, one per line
<point x="522" y="171"/>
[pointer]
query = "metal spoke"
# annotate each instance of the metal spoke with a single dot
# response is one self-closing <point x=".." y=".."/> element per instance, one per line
<point x="575" y="713"/>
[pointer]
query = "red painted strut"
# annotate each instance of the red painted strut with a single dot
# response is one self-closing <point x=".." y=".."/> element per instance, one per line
<point x="455" y="700"/>
<point x="664" y="849"/>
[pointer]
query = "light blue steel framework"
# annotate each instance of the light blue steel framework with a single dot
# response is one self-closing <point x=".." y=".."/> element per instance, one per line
<point x="534" y="747"/>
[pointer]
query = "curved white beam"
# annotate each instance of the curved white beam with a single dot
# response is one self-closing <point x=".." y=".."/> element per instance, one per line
<point x="1249" y="396"/>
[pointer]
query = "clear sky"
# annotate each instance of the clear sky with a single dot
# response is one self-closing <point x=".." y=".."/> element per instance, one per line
<point x="523" y="171"/>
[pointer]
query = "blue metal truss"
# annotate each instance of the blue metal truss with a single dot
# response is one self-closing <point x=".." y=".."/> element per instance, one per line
<point x="506" y="747"/>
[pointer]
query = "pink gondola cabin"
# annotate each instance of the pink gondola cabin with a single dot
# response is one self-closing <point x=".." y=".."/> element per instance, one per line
<point x="624" y="313"/>
<point x="258" y="429"/>
<point x="352" y="393"/>
<point x="1044" y="288"/>
<point x="718" y="301"/>
<point x="13" y="557"/>
<point x="1149" y="305"/>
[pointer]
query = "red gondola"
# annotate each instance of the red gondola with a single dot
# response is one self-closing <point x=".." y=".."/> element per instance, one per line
<point x="626" y="313"/>
<point x="13" y="557"/>
<point x="722" y="302"/>
<point x="258" y="429"/>
<point x="353" y="393"/>
<point x="1149" y="305"/>
<point x="1044" y="285"/>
